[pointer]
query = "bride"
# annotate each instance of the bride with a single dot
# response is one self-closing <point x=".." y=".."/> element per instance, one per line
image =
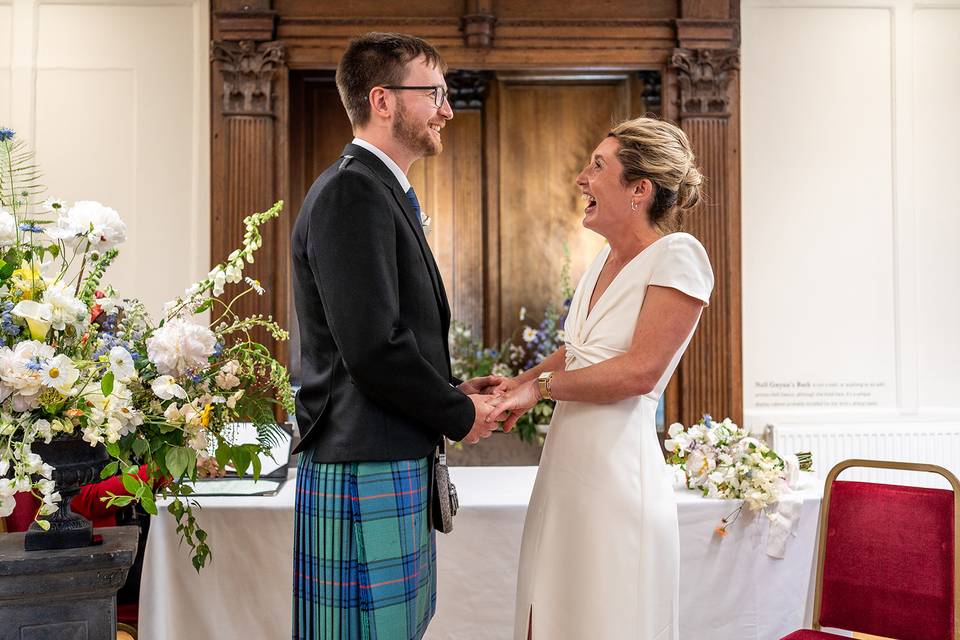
<point x="599" y="557"/>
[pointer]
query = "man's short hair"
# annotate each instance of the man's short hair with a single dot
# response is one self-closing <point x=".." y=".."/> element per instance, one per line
<point x="377" y="59"/>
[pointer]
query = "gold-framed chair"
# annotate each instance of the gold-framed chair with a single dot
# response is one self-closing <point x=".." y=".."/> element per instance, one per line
<point x="887" y="560"/>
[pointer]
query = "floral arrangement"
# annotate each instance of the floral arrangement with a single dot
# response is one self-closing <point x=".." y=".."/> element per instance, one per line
<point x="527" y="348"/>
<point x="722" y="460"/>
<point x="78" y="360"/>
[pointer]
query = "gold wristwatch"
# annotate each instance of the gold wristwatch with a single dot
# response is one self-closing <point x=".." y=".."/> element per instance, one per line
<point x="543" y="382"/>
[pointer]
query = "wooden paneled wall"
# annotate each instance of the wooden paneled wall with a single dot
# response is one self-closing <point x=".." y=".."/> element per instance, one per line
<point x="501" y="196"/>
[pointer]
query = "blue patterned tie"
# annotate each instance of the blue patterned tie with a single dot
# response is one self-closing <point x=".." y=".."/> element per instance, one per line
<point x="412" y="197"/>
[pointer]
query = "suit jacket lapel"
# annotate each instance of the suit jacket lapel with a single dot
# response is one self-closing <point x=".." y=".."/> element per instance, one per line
<point x="383" y="172"/>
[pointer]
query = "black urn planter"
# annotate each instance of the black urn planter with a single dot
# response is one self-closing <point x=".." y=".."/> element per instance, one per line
<point x="75" y="463"/>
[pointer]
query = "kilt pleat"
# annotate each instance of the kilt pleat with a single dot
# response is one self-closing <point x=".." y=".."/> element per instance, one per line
<point x="364" y="552"/>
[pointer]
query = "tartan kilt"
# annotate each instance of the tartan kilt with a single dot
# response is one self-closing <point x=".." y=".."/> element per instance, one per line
<point x="364" y="551"/>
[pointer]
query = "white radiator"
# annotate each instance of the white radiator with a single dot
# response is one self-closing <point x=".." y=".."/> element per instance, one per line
<point x="912" y="442"/>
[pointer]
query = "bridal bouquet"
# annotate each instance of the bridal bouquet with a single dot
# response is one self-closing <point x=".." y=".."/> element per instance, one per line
<point x="722" y="460"/>
<point x="80" y="360"/>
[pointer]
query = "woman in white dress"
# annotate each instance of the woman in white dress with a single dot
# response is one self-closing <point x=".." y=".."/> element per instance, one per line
<point x="599" y="557"/>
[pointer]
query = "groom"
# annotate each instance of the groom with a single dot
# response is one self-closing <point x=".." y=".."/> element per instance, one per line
<point x="377" y="393"/>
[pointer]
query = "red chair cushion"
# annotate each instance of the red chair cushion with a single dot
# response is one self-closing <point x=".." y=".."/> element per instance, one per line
<point x="888" y="561"/>
<point x="807" y="634"/>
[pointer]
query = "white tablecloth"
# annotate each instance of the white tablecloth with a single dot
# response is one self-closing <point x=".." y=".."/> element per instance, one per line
<point x="730" y="589"/>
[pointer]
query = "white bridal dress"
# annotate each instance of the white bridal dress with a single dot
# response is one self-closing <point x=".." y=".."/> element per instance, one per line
<point x="599" y="557"/>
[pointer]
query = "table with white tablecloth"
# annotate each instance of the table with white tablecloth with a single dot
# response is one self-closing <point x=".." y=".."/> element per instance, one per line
<point x="730" y="588"/>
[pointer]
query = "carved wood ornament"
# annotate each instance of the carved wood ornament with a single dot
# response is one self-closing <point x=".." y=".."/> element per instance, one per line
<point x="704" y="77"/>
<point x="248" y="71"/>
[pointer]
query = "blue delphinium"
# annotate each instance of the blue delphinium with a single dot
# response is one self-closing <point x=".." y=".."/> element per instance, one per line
<point x="7" y="325"/>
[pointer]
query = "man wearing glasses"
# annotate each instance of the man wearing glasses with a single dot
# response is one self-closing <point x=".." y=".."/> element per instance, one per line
<point x="377" y="393"/>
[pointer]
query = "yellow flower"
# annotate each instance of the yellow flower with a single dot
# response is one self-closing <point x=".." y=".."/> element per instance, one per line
<point x="205" y="415"/>
<point x="27" y="281"/>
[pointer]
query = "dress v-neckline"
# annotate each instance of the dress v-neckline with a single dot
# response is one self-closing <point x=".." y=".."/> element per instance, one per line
<point x="596" y="277"/>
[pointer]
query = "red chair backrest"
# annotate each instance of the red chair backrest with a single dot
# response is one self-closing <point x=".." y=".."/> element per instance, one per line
<point x="888" y="561"/>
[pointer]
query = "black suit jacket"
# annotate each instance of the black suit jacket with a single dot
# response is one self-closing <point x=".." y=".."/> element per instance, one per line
<point x="374" y="321"/>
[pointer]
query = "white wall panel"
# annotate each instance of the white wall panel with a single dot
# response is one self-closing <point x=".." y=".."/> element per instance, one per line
<point x="818" y="219"/>
<point x="116" y="121"/>
<point x="936" y="166"/>
<point x="6" y="41"/>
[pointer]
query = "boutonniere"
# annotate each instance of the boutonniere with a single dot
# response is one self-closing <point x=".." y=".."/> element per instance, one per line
<point x="425" y="224"/>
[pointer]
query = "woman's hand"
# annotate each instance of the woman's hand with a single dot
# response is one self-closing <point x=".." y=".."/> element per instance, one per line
<point x="514" y="404"/>
<point x="505" y="385"/>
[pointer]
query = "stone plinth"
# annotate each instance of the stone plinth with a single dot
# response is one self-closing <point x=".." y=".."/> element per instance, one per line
<point x="68" y="594"/>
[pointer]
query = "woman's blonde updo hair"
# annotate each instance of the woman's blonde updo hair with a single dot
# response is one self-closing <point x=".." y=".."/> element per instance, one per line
<point x="660" y="152"/>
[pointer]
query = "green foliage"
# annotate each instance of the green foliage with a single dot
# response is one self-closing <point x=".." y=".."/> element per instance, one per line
<point x="19" y="176"/>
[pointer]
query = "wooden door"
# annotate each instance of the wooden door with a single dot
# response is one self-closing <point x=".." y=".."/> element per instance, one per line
<point x="548" y="126"/>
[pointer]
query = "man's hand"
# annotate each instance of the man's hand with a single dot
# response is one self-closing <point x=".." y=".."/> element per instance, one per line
<point x="481" y="384"/>
<point x="481" y="428"/>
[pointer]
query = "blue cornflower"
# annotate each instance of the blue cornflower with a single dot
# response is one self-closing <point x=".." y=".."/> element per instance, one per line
<point x="34" y="228"/>
<point x="6" y="134"/>
<point x="217" y="348"/>
<point x="34" y="364"/>
<point x="196" y="377"/>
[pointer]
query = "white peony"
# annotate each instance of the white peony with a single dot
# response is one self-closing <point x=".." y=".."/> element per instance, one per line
<point x="8" y="228"/>
<point x="180" y="346"/>
<point x="92" y="221"/>
<point x="21" y="372"/>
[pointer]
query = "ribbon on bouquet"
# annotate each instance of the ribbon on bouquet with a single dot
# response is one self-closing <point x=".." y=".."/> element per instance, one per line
<point x="783" y="525"/>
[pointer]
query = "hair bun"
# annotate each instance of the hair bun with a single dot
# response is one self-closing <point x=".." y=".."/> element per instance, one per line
<point x="688" y="193"/>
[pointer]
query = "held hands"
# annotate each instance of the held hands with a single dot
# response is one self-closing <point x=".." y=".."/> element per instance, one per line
<point x="481" y="428"/>
<point x="513" y="403"/>
<point x="482" y="384"/>
<point x="497" y="399"/>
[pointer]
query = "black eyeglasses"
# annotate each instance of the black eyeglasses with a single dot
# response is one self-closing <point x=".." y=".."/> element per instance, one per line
<point x="439" y="93"/>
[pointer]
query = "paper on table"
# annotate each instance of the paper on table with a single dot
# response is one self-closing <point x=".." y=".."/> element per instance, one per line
<point x="234" y="487"/>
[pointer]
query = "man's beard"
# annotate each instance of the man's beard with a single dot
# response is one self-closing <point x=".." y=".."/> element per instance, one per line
<point x="407" y="133"/>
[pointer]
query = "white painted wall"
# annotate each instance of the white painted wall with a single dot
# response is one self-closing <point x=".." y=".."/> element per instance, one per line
<point x="851" y="212"/>
<point x="114" y="98"/>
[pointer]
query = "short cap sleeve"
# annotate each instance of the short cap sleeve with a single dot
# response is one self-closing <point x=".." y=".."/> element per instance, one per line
<point x="683" y="265"/>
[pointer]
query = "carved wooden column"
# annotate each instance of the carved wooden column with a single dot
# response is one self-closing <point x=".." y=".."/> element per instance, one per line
<point x="248" y="142"/>
<point x="710" y="378"/>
